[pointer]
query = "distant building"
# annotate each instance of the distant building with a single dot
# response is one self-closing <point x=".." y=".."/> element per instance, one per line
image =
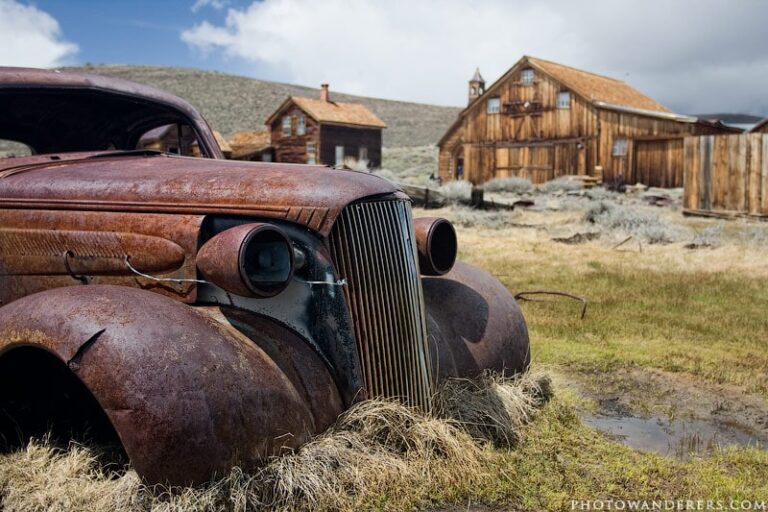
<point x="761" y="127"/>
<point x="542" y="120"/>
<point x="252" y="146"/>
<point x="323" y="131"/>
<point x="179" y="140"/>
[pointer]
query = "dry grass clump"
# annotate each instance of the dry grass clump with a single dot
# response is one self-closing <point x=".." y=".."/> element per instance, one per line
<point x="379" y="454"/>
<point x="494" y="408"/>
<point x="511" y="185"/>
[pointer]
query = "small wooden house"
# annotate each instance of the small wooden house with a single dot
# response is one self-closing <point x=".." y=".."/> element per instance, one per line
<point x="323" y="131"/>
<point x="252" y="146"/>
<point x="542" y="120"/>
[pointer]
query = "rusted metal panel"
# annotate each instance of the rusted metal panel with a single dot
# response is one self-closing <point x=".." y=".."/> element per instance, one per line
<point x="167" y="184"/>
<point x="40" y="250"/>
<point x="474" y="324"/>
<point x="188" y="394"/>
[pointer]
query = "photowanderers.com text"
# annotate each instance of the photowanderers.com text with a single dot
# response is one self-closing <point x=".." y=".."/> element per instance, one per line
<point x="617" y="504"/>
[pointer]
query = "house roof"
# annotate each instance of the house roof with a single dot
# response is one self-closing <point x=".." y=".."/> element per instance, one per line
<point x="243" y="144"/>
<point x="333" y="112"/>
<point x="759" y="126"/>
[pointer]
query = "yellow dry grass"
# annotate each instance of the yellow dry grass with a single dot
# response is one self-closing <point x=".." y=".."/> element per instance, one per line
<point x="379" y="454"/>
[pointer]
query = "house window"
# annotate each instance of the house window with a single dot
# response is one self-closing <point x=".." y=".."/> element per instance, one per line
<point x="362" y="154"/>
<point x="311" y="155"/>
<point x="301" y="125"/>
<point x="526" y="77"/>
<point x="286" y="125"/>
<point x="564" y="99"/>
<point x="339" y="155"/>
<point x="493" y="105"/>
<point x="620" y="147"/>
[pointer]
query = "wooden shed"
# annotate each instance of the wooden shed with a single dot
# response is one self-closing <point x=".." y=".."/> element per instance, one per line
<point x="323" y="131"/>
<point x="542" y="120"/>
<point x="252" y="146"/>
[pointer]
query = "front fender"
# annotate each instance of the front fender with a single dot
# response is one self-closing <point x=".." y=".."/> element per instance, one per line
<point x="474" y="324"/>
<point x="186" y="394"/>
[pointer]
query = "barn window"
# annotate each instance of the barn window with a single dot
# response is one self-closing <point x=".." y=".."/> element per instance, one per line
<point x="362" y="154"/>
<point x="301" y="125"/>
<point x="526" y="77"/>
<point x="493" y="105"/>
<point x="286" y="125"/>
<point x="564" y="99"/>
<point x="311" y="155"/>
<point x="620" y="147"/>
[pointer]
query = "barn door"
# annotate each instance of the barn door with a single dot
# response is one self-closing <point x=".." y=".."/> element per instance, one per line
<point x="659" y="163"/>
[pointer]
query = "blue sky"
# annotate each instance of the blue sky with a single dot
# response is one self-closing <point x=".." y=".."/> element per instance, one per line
<point x="136" y="32"/>
<point x="694" y="56"/>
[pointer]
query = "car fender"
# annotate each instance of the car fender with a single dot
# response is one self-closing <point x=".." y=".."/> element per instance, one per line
<point x="188" y="396"/>
<point x="473" y="324"/>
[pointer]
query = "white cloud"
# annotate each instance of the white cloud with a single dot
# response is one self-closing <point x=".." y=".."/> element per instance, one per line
<point x="216" y="4"/>
<point x="31" y="37"/>
<point x="682" y="53"/>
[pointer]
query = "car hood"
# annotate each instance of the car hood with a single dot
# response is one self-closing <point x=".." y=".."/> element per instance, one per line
<point x="305" y="194"/>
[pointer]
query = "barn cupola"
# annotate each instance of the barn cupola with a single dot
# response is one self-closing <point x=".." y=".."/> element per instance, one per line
<point x="476" y="86"/>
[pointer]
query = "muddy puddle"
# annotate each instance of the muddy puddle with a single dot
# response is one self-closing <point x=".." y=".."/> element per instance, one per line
<point x="675" y="438"/>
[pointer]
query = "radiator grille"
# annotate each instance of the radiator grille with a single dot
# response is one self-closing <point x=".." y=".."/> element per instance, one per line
<point x="373" y="248"/>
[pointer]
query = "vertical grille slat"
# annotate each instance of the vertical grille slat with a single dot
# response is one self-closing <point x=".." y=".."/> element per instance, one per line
<point x="373" y="248"/>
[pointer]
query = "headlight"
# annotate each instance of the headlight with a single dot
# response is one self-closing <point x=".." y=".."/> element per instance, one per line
<point x="252" y="260"/>
<point x="436" y="241"/>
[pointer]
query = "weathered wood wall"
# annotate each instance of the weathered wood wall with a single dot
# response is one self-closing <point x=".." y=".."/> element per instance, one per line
<point x="726" y="175"/>
<point x="352" y="138"/>
<point x="293" y="148"/>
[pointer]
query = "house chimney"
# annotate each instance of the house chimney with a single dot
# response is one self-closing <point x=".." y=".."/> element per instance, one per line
<point x="324" y="92"/>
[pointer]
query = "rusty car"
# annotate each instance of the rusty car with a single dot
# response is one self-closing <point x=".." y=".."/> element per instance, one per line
<point x="200" y="313"/>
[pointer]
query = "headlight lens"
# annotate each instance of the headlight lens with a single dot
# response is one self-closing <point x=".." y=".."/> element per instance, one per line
<point x="252" y="260"/>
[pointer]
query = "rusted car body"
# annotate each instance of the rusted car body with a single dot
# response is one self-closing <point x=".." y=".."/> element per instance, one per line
<point x="203" y="313"/>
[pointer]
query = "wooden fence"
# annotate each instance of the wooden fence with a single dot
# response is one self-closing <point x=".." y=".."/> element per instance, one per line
<point x="726" y="175"/>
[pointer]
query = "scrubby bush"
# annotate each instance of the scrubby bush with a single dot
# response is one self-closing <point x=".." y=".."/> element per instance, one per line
<point x="386" y="174"/>
<point x="561" y="184"/>
<point x="455" y="191"/>
<point x="647" y="226"/>
<point x="511" y="185"/>
<point x="491" y="219"/>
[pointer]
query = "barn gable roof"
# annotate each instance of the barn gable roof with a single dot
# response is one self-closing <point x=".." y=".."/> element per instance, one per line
<point x="601" y="91"/>
<point x="597" y="88"/>
<point x="332" y="112"/>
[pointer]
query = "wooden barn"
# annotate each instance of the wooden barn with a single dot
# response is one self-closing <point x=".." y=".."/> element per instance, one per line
<point x="542" y="120"/>
<point x="323" y="131"/>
